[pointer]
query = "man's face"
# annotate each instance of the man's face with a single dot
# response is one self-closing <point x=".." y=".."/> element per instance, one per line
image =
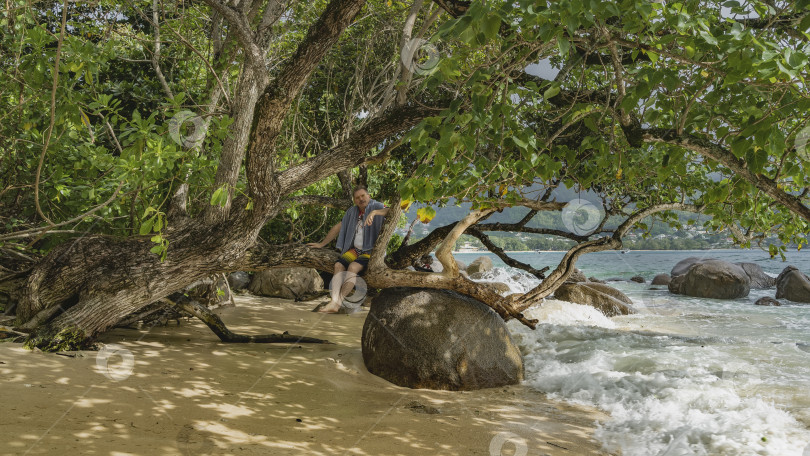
<point x="361" y="199"/>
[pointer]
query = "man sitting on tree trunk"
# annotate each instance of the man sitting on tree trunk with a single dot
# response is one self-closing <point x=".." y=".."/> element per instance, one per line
<point x="356" y="235"/>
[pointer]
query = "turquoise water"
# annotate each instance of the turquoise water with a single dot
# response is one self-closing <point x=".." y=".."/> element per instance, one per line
<point x="683" y="376"/>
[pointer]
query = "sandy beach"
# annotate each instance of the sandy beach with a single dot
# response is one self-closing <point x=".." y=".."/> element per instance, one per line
<point x="178" y="390"/>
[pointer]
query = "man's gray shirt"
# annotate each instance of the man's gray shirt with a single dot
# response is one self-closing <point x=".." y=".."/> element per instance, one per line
<point x="345" y="240"/>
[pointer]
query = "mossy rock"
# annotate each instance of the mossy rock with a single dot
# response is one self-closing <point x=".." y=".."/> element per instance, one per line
<point x="68" y="339"/>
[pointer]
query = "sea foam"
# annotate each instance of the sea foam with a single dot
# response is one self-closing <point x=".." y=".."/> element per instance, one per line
<point x="666" y="394"/>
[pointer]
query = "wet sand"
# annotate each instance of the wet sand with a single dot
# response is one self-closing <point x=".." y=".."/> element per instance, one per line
<point x="178" y="390"/>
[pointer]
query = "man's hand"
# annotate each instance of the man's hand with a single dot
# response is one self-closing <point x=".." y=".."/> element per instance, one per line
<point x="370" y="218"/>
<point x="329" y="236"/>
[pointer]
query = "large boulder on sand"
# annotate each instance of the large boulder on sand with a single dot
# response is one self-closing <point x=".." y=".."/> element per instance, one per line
<point x="480" y="265"/>
<point x="758" y="277"/>
<point x="238" y="280"/>
<point x="606" y="299"/>
<point x="792" y="284"/>
<point x="710" y="278"/>
<point x="661" y="279"/>
<point x="438" y="339"/>
<point x="287" y="283"/>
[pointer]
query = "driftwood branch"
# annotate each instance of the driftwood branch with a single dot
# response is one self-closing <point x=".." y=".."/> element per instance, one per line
<point x="226" y="335"/>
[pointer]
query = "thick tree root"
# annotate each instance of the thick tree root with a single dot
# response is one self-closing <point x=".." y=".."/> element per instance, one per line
<point x="226" y="335"/>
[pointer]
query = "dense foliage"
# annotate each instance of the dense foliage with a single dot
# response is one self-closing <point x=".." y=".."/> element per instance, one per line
<point x="627" y="107"/>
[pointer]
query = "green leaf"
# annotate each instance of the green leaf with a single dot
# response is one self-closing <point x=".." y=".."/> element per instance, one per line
<point x="220" y="197"/>
<point x="552" y="91"/>
<point x="146" y="226"/>
<point x="490" y="26"/>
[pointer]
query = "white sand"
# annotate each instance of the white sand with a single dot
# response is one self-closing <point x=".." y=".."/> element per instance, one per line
<point x="190" y="394"/>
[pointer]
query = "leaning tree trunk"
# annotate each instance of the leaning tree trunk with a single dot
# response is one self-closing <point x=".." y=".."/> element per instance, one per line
<point x="87" y="286"/>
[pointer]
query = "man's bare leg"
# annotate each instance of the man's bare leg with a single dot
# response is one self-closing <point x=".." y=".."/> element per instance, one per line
<point x="334" y="302"/>
<point x="351" y="279"/>
<point x="344" y="289"/>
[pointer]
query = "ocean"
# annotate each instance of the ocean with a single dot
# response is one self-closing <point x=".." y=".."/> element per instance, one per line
<point x="683" y="376"/>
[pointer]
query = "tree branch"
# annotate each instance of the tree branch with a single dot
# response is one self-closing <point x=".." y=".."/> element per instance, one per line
<point x="566" y="266"/>
<point x="352" y="152"/>
<point x="263" y="184"/>
<point x="244" y="35"/>
<point x="724" y="156"/>
<point x="539" y="273"/>
<point x="156" y="53"/>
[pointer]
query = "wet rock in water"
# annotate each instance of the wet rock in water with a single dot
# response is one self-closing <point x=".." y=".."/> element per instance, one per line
<point x="606" y="299"/>
<point x="661" y="279"/>
<point x="710" y="278"/>
<point x="637" y="279"/>
<point x="438" y="339"/>
<point x="595" y="280"/>
<point x="682" y="266"/>
<point x="287" y="283"/>
<point x="577" y="276"/>
<point x="792" y="284"/>
<point x="758" y="277"/>
<point x="479" y="265"/>
<point x="767" y="301"/>
<point x="238" y="280"/>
